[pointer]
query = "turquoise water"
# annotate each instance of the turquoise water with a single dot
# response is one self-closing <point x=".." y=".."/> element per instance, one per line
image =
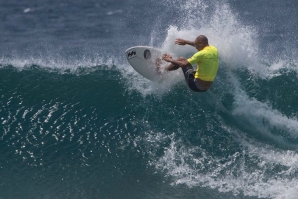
<point x="78" y="122"/>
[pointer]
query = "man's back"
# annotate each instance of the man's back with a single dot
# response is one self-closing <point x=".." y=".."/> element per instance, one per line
<point x="207" y="63"/>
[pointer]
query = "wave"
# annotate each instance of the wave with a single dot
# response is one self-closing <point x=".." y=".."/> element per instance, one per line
<point x="205" y="140"/>
<point x="240" y="137"/>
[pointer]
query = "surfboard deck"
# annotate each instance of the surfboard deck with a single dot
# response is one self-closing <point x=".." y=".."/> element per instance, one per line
<point x="147" y="61"/>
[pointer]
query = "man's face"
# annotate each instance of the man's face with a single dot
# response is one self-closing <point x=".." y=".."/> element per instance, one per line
<point x="198" y="45"/>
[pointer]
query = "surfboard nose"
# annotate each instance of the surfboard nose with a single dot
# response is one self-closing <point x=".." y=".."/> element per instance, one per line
<point x="146" y="61"/>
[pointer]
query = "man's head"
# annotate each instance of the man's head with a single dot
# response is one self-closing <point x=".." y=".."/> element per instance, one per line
<point x="201" y="42"/>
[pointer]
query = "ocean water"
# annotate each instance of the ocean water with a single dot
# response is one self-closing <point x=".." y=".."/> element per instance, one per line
<point x="76" y="121"/>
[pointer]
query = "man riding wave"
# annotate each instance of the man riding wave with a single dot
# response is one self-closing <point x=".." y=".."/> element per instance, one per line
<point x="207" y="61"/>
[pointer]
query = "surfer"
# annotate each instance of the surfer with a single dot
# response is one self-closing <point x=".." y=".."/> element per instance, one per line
<point x="207" y="64"/>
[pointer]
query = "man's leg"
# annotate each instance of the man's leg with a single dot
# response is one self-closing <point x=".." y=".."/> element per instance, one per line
<point x="171" y="67"/>
<point x="190" y="79"/>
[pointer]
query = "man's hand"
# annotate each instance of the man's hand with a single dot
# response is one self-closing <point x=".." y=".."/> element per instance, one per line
<point x="181" y="42"/>
<point x="167" y="57"/>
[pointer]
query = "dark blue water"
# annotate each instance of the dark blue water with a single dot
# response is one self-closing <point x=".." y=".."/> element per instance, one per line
<point x="78" y="122"/>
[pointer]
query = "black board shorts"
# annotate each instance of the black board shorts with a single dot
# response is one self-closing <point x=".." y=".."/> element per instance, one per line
<point x="190" y="79"/>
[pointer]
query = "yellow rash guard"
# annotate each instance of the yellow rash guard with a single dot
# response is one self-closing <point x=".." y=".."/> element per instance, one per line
<point x="207" y="63"/>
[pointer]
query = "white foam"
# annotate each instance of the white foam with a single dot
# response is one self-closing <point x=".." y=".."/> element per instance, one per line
<point x="238" y="44"/>
<point x="59" y="63"/>
<point x="262" y="116"/>
<point x="248" y="171"/>
<point x="136" y="82"/>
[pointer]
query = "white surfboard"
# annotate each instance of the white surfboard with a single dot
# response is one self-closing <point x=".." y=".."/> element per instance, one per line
<point x="146" y="61"/>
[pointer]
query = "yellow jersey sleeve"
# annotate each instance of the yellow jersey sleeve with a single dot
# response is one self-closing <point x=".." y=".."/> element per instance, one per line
<point x="207" y="61"/>
<point x="197" y="57"/>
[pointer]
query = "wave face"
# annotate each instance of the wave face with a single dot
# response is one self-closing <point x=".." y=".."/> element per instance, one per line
<point x="78" y="122"/>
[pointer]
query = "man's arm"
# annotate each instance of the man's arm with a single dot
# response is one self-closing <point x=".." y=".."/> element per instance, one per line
<point x="183" y="42"/>
<point x="181" y="62"/>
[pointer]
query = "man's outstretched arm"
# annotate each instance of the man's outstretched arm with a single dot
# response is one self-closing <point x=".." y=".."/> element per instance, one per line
<point x="183" y="42"/>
